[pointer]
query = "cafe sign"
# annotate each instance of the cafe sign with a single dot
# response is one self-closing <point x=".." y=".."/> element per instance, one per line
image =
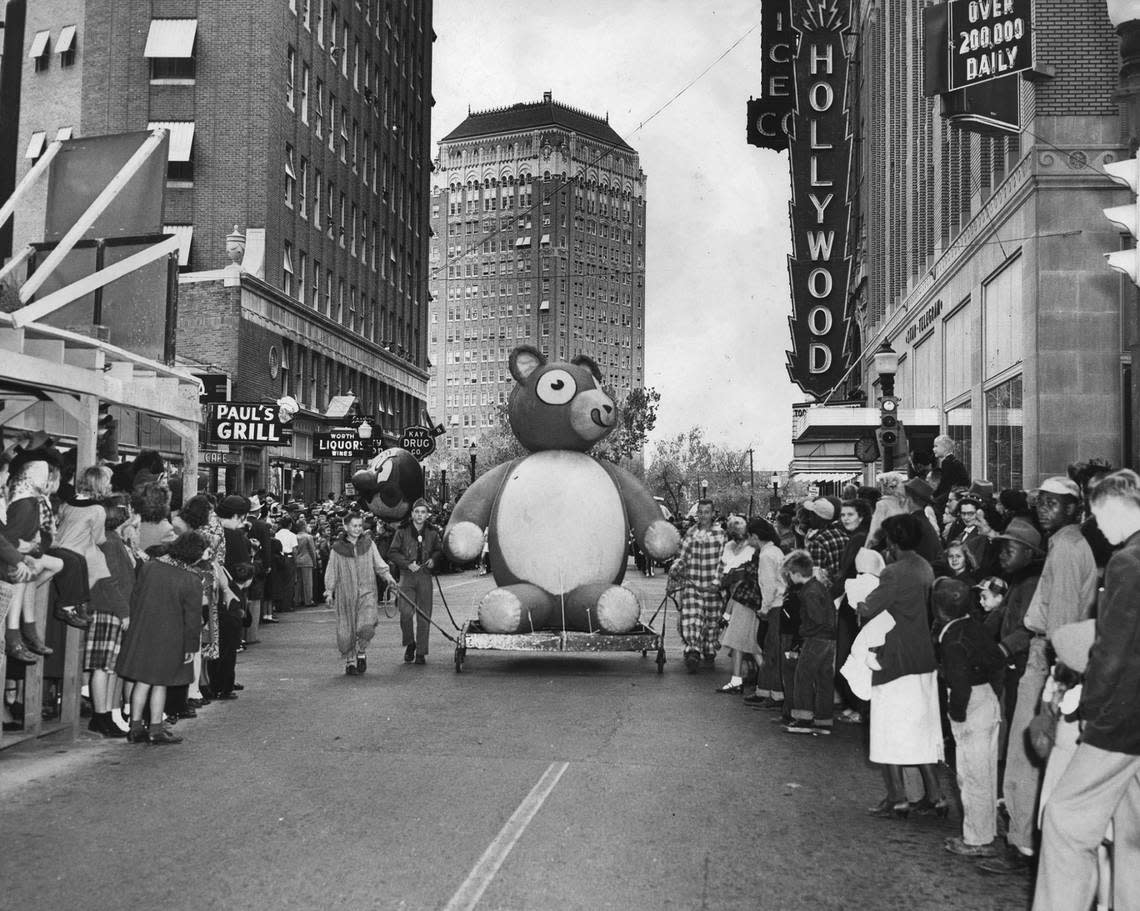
<point x="245" y="423"/>
<point x="988" y="39"/>
<point x="819" y="153"/>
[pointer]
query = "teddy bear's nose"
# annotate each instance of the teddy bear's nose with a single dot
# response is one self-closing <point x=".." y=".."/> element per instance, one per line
<point x="609" y="408"/>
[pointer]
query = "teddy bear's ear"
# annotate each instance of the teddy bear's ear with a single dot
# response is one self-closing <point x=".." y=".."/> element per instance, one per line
<point x="590" y="364"/>
<point x="524" y="361"/>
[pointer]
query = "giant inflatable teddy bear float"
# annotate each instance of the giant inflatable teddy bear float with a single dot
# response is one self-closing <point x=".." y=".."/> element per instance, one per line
<point x="558" y="519"/>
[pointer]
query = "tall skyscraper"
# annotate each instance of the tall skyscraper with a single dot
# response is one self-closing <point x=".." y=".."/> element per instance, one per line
<point x="307" y="124"/>
<point x="538" y="221"/>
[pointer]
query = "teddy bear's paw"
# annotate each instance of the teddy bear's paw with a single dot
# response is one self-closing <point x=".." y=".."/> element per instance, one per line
<point x="618" y="610"/>
<point x="662" y="540"/>
<point x="500" y="611"/>
<point x="464" y="542"/>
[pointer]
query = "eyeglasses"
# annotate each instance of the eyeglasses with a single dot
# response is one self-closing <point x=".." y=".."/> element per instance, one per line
<point x="967" y="513"/>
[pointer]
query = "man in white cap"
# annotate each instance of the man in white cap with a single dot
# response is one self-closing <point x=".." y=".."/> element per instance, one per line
<point x="1065" y="594"/>
<point x="1102" y="780"/>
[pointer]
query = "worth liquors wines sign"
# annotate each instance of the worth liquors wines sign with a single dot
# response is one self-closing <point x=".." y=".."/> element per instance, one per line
<point x="819" y="152"/>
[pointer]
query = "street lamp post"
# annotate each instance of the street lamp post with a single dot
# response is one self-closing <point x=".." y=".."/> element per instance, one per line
<point x="704" y="489"/>
<point x="775" y="493"/>
<point x="474" y="449"/>
<point x="443" y="466"/>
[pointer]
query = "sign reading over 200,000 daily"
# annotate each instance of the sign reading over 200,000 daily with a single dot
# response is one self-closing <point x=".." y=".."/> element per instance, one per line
<point x="245" y="423"/>
<point x="988" y="39"/>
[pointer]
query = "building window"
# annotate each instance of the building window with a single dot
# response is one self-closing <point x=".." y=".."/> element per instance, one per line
<point x="180" y="153"/>
<point x="304" y="93"/>
<point x="39" y="51"/>
<point x="321" y="22"/>
<point x="1004" y="448"/>
<point x="290" y="75"/>
<point x="65" y="47"/>
<point x="302" y="271"/>
<point x="342" y="216"/>
<point x="332" y="122"/>
<point x="303" y="189"/>
<point x="290" y="176"/>
<point x="317" y="199"/>
<point x="316" y="289"/>
<point x="287" y="269"/>
<point x="319" y="110"/>
<point x="308" y="17"/>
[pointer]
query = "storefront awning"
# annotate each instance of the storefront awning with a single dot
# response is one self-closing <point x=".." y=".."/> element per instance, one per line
<point x="821" y="477"/>
<point x="171" y="38"/>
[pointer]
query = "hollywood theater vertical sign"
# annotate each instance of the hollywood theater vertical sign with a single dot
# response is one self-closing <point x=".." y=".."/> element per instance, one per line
<point x="819" y="156"/>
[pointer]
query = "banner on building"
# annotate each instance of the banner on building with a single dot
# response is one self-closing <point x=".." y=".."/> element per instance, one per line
<point x="245" y="423"/>
<point x="820" y="161"/>
<point x="769" y="117"/>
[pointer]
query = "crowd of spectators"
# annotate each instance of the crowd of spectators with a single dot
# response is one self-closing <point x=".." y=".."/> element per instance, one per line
<point x="166" y="593"/>
<point x="956" y="621"/>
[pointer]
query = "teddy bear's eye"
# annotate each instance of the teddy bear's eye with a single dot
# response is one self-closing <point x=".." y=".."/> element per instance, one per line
<point x="556" y="387"/>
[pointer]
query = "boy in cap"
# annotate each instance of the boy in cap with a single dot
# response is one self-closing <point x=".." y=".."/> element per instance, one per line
<point x="826" y="540"/>
<point x="972" y="667"/>
<point x="415" y="550"/>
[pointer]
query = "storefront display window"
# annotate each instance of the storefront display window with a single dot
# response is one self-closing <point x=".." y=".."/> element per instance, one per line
<point x="960" y="428"/>
<point x="1004" y="448"/>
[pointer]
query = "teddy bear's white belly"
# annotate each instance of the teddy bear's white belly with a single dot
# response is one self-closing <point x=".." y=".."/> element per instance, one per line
<point x="559" y="522"/>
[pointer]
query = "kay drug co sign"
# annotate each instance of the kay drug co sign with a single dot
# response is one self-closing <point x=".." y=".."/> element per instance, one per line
<point x="988" y="39"/>
<point x="245" y="423"/>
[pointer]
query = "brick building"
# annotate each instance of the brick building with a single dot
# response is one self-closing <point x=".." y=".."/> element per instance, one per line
<point x="538" y="216"/>
<point x="979" y="257"/>
<point x="306" y="124"/>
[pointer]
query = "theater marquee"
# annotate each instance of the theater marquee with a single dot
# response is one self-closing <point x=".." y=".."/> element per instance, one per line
<point x="820" y="160"/>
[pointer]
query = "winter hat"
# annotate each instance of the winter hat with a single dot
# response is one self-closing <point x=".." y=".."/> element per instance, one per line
<point x="920" y="491"/>
<point x="1060" y="486"/>
<point x="982" y="490"/>
<point x="231" y="506"/>
<point x="421" y="502"/>
<point x="869" y="561"/>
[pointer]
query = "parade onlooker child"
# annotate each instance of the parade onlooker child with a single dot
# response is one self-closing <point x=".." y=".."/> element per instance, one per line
<point x="972" y="667"/>
<point x="992" y="593"/>
<point x="813" y="706"/>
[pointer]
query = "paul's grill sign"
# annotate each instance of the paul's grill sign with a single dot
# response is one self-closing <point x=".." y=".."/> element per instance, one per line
<point x="988" y="39"/>
<point x="246" y="423"/>
<point x="820" y="159"/>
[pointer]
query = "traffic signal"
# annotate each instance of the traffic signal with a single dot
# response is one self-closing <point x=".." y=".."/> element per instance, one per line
<point x="107" y="434"/>
<point x="888" y="434"/>
<point x="1126" y="217"/>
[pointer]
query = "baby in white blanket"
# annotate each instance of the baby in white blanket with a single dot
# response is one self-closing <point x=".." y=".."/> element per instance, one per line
<point x="862" y="661"/>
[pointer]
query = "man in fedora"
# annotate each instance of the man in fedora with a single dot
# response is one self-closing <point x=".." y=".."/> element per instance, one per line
<point x="1065" y="594"/>
<point x="919" y="496"/>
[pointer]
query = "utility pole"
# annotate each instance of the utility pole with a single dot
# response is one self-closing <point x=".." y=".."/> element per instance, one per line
<point x="751" y="483"/>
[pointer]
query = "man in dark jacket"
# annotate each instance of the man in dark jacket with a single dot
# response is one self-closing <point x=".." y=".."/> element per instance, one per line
<point x="416" y="550"/>
<point x="951" y="472"/>
<point x="1102" y="782"/>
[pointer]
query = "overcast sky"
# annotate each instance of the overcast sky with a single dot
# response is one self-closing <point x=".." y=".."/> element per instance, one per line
<point x="717" y="233"/>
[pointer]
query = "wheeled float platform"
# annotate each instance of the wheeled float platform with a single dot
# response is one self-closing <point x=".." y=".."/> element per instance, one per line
<point x="639" y="639"/>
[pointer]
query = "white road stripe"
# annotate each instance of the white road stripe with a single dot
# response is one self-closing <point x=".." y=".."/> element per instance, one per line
<point x="468" y="894"/>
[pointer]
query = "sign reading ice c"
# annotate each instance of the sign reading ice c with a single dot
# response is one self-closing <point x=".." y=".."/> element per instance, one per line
<point x="248" y="423"/>
<point x="988" y="39"/>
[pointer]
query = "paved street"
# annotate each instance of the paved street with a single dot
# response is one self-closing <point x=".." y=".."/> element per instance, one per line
<point x="526" y="782"/>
